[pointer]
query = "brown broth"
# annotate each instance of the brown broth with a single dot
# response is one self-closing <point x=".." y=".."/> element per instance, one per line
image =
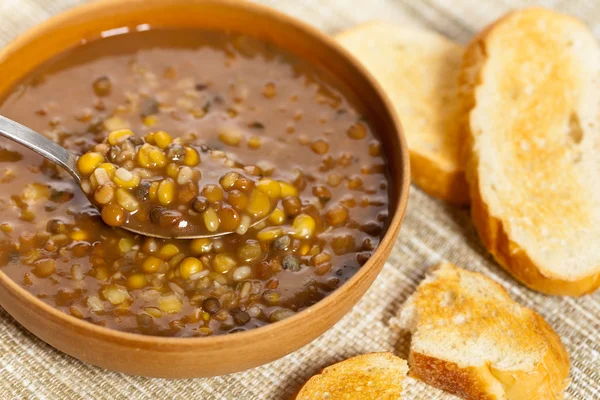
<point x="191" y="84"/>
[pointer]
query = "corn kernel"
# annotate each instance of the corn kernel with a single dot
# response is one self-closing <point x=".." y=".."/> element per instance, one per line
<point x="166" y="192"/>
<point x="113" y="214"/>
<point x="250" y="251"/>
<point x="259" y="204"/>
<point x="127" y="200"/>
<point x="223" y="262"/>
<point x="87" y="163"/>
<point x="125" y="245"/>
<point x="116" y="137"/>
<point x="143" y="155"/>
<point x="125" y="179"/>
<point x="254" y="142"/>
<point x="287" y="189"/>
<point x="304" y="226"/>
<point x="150" y="138"/>
<point x="228" y="180"/>
<point x="191" y="158"/>
<point x="172" y="170"/>
<point x="171" y="304"/>
<point x="109" y="168"/>
<point x="153" y="191"/>
<point x="115" y="294"/>
<point x="168" y="251"/>
<point x="230" y="136"/>
<point x="157" y="158"/>
<point x="304" y="249"/>
<point x="79" y="235"/>
<point x="189" y="267"/>
<point x="201" y="246"/>
<point x="152" y="264"/>
<point x="270" y="187"/>
<point x="114" y="123"/>
<point x="277" y="217"/>
<point x="36" y="191"/>
<point x="150" y="120"/>
<point x="137" y="281"/>
<point x="269" y="234"/>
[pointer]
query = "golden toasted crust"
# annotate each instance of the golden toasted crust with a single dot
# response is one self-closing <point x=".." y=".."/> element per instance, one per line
<point x="374" y="376"/>
<point x="465" y="382"/>
<point x="472" y="340"/>
<point x="494" y="235"/>
<point x="548" y="380"/>
<point x="513" y="258"/>
<point x="450" y="186"/>
<point x="418" y="69"/>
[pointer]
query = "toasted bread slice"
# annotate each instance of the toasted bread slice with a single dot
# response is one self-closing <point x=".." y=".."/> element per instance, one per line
<point x="374" y="376"/>
<point x="531" y="82"/>
<point x="470" y="339"/>
<point x="418" y="69"/>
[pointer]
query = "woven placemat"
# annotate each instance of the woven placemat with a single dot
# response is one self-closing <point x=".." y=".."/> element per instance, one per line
<point x="433" y="230"/>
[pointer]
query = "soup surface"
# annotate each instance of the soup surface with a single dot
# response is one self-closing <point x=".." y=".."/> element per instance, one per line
<point x="262" y="107"/>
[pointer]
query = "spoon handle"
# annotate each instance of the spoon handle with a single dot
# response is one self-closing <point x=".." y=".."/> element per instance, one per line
<point x="40" y="144"/>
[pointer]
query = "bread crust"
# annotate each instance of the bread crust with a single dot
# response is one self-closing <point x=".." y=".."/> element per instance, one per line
<point x="372" y="376"/>
<point x="434" y="176"/>
<point x="544" y="379"/>
<point x="494" y="236"/>
<point x="450" y="186"/>
<point x="467" y="382"/>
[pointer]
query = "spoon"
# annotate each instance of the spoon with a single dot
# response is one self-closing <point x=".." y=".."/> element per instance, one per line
<point x="68" y="161"/>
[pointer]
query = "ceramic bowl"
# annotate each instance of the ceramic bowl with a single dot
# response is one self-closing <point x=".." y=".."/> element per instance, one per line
<point x="208" y="356"/>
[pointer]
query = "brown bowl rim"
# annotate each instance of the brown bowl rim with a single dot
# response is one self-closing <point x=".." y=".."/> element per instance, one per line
<point x="272" y="328"/>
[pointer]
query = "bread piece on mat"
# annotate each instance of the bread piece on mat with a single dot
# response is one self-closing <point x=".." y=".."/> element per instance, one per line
<point x="374" y="376"/>
<point x="418" y="69"/>
<point x="471" y="339"/>
<point x="532" y="82"/>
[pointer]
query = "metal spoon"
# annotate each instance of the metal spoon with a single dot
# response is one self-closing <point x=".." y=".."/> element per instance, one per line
<point x="68" y="161"/>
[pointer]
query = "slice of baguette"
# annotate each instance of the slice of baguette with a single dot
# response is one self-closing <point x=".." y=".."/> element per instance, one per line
<point x="470" y="339"/>
<point x="531" y="81"/>
<point x="374" y="376"/>
<point x="418" y="70"/>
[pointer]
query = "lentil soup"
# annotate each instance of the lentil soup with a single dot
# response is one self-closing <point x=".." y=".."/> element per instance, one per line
<point x="260" y="106"/>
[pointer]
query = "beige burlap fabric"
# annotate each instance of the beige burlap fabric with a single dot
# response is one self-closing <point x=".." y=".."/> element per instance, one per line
<point x="30" y="369"/>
